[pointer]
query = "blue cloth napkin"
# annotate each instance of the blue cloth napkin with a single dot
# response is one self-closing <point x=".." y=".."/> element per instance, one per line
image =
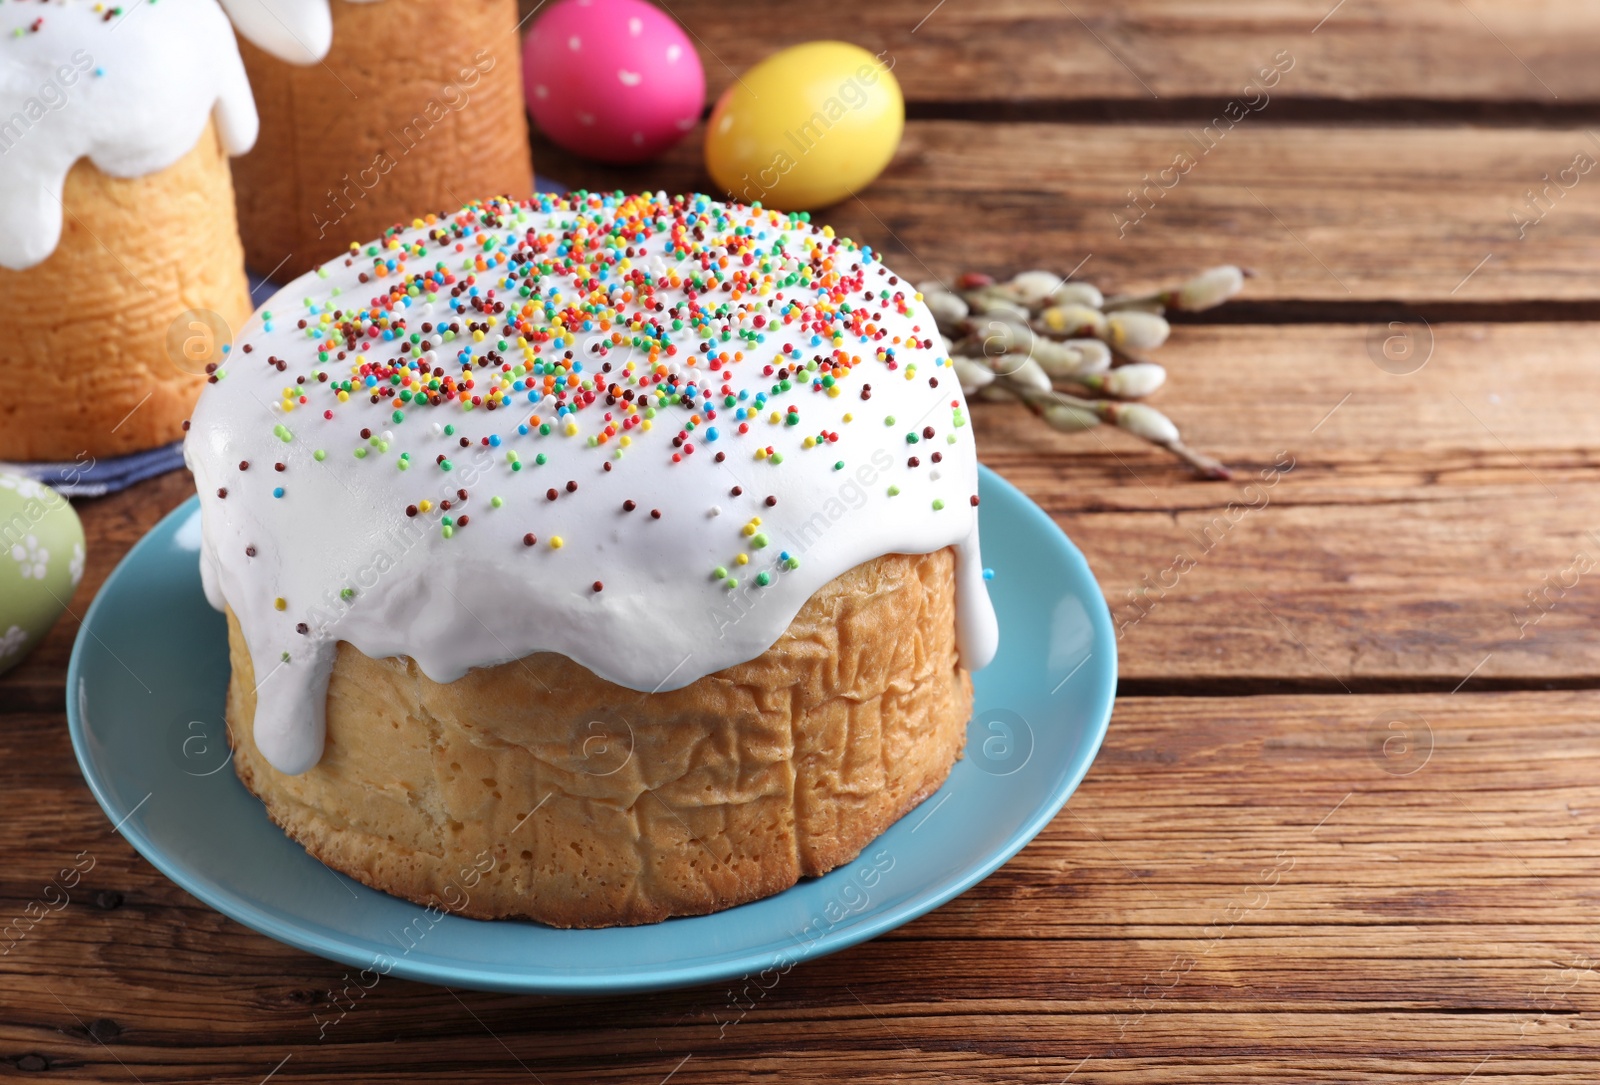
<point x="89" y="477"/>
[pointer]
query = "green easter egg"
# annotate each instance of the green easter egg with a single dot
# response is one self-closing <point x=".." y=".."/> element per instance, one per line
<point x="41" y="562"/>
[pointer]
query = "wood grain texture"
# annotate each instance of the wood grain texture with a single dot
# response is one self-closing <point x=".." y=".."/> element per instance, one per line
<point x="1351" y="215"/>
<point x="1158" y="50"/>
<point x="1401" y="548"/>
<point x="1258" y="888"/>
<point x="1395" y="884"/>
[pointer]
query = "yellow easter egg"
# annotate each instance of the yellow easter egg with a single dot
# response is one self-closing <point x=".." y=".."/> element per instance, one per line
<point x="806" y="127"/>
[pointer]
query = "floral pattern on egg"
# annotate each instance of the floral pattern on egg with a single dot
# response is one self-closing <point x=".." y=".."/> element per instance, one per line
<point x="41" y="563"/>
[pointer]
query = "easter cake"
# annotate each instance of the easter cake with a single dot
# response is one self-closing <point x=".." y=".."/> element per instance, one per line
<point x="369" y="109"/>
<point x="593" y="559"/>
<point x="120" y="264"/>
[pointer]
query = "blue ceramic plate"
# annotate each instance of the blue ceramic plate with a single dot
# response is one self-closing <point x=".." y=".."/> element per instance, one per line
<point x="145" y="700"/>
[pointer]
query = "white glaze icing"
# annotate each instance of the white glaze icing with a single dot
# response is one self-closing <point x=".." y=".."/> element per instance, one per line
<point x="131" y="92"/>
<point x="298" y="31"/>
<point x="481" y="596"/>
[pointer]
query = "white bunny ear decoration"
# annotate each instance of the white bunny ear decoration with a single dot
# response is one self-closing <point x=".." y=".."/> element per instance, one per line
<point x="297" y="31"/>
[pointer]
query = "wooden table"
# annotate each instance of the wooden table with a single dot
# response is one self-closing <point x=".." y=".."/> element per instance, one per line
<point x="1344" y="825"/>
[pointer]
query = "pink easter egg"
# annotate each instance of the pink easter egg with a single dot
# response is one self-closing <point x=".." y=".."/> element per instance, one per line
<point x="613" y="80"/>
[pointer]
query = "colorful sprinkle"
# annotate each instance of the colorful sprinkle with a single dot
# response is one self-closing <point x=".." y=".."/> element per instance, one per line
<point x="641" y="325"/>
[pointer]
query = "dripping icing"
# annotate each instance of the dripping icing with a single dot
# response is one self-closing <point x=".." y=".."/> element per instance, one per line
<point x="132" y="93"/>
<point x="340" y="550"/>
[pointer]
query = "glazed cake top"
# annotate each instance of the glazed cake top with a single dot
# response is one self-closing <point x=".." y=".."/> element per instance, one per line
<point x="130" y="88"/>
<point x="637" y="431"/>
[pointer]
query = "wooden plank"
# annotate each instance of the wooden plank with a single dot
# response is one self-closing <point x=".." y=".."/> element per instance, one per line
<point x="1432" y="595"/>
<point x="1482" y="405"/>
<point x="1158" y="50"/>
<point x="1341" y="215"/>
<point x="1420" y="511"/>
<point x="1253" y="886"/>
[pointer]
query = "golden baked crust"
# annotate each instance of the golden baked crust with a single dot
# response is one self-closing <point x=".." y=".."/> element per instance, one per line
<point x="85" y="359"/>
<point x="536" y="789"/>
<point x="385" y="128"/>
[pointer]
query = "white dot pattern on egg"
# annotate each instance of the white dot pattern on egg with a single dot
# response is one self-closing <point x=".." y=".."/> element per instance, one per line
<point x="617" y="77"/>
